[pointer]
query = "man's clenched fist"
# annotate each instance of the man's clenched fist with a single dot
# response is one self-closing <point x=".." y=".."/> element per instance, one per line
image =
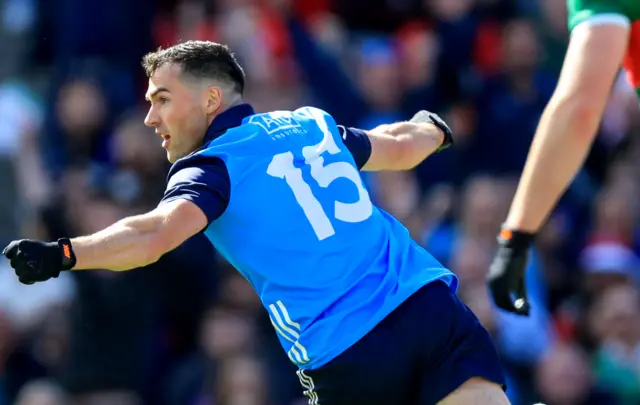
<point x="35" y="261"/>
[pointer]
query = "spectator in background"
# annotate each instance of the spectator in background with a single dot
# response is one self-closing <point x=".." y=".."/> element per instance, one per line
<point x="111" y="334"/>
<point x="481" y="203"/>
<point x="78" y="132"/>
<point x="418" y="51"/>
<point x="25" y="184"/>
<point x="457" y="26"/>
<point x="241" y="381"/>
<point x="511" y="102"/>
<point x="608" y="264"/>
<point x="42" y="392"/>
<point x="117" y="330"/>
<point x="615" y="326"/>
<point x="563" y="377"/>
<point x="487" y="66"/>
<point x="379" y="81"/>
<point x="134" y="177"/>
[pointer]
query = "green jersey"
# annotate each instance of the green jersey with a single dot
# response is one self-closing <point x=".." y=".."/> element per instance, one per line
<point x="622" y="11"/>
<point x="619" y="12"/>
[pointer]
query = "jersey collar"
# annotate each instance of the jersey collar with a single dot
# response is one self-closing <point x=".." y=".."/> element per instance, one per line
<point x="229" y="118"/>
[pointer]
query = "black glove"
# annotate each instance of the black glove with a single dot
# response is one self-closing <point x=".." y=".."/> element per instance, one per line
<point x="507" y="271"/>
<point x="431" y="118"/>
<point x="35" y="261"/>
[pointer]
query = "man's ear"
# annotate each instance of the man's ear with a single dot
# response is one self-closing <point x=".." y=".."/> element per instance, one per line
<point x="213" y="99"/>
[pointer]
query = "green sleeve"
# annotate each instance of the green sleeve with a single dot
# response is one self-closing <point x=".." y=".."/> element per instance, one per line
<point x="582" y="10"/>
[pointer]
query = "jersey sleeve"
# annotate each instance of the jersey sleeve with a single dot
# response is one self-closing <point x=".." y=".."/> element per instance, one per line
<point x="597" y="12"/>
<point x="358" y="143"/>
<point x="204" y="181"/>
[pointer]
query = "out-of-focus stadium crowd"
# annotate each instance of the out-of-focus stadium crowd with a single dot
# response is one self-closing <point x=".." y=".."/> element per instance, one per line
<point x="75" y="156"/>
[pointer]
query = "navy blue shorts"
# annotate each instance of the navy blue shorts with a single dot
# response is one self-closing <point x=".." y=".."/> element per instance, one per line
<point x="419" y="354"/>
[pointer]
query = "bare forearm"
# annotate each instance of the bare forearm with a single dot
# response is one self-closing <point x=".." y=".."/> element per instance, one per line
<point x="402" y="145"/>
<point x="558" y="152"/>
<point x="421" y="141"/>
<point x="570" y="121"/>
<point x="125" y="245"/>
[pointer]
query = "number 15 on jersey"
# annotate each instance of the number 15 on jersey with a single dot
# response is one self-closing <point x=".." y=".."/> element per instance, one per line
<point x="282" y="167"/>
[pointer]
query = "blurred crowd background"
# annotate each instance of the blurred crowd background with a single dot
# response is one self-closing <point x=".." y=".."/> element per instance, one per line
<point x="75" y="157"/>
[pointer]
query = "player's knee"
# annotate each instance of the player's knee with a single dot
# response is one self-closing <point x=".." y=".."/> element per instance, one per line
<point x="477" y="391"/>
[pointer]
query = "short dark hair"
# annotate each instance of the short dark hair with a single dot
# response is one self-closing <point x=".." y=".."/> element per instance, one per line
<point x="200" y="59"/>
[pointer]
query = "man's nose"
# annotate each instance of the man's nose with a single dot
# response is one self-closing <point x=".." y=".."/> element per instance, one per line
<point x="151" y="120"/>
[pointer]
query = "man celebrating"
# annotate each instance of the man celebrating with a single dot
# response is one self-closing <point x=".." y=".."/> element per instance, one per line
<point x="365" y="313"/>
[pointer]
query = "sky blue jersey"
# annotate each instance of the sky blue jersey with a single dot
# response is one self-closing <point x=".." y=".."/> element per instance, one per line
<point x="297" y="222"/>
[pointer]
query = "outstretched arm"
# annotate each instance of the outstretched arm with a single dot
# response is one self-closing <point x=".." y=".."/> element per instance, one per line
<point x="139" y="240"/>
<point x="197" y="193"/>
<point x="563" y="138"/>
<point x="404" y="145"/>
<point x="569" y="123"/>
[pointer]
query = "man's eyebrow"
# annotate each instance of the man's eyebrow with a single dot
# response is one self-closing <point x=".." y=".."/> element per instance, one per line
<point x="154" y="93"/>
